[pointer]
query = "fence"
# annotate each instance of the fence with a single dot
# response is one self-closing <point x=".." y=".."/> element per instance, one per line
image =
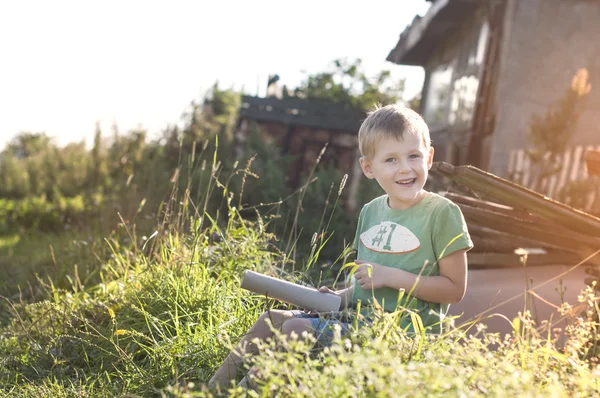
<point x="570" y="184"/>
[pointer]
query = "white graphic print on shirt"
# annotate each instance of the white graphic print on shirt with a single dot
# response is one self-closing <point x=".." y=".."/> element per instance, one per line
<point x="389" y="237"/>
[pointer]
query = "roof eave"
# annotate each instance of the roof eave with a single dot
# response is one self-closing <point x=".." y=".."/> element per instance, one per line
<point x="418" y="41"/>
<point x="412" y="35"/>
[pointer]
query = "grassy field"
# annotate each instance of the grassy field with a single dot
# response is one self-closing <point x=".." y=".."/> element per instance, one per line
<point x="164" y="310"/>
<point x="143" y="312"/>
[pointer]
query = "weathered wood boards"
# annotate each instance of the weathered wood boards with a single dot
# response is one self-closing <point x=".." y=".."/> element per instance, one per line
<point x="504" y="216"/>
<point x="507" y="193"/>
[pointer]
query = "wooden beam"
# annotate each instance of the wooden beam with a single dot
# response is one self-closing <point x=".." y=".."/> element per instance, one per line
<point x="486" y="244"/>
<point x="504" y="239"/>
<point x="496" y="208"/>
<point x="508" y="260"/>
<point x="567" y="240"/>
<point x="514" y="195"/>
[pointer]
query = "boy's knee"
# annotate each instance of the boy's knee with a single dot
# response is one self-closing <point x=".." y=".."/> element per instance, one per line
<point x="296" y="326"/>
<point x="275" y="317"/>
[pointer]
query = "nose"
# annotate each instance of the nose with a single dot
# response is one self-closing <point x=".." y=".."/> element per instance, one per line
<point x="403" y="166"/>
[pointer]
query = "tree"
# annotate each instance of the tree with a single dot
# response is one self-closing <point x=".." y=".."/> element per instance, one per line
<point x="27" y="144"/>
<point x="346" y="83"/>
<point x="549" y="134"/>
<point x="98" y="172"/>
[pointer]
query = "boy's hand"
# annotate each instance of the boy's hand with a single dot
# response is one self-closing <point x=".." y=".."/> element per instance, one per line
<point x="370" y="275"/>
<point x="340" y="293"/>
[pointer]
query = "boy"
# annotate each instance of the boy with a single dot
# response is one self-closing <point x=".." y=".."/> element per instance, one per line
<point x="404" y="233"/>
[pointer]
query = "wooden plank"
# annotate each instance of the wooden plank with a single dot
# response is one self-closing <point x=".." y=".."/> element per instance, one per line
<point x="511" y="260"/>
<point x="567" y="240"/>
<point x="553" y="179"/>
<point x="592" y="161"/>
<point x="563" y="176"/>
<point x="520" y="169"/>
<point x="514" y="195"/>
<point x="527" y="171"/>
<point x="577" y="157"/>
<point x="512" y="163"/>
<point x="593" y="183"/>
<point x="486" y="244"/>
<point x="507" y="239"/>
<point x="520" y="214"/>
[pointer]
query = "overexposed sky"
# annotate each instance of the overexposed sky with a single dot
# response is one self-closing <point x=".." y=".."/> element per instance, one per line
<point x="67" y="64"/>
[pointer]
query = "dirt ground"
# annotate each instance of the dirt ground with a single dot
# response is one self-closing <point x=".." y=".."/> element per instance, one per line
<point x="488" y="288"/>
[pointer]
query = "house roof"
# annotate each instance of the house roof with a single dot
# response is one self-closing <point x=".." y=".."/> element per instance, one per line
<point x="417" y="42"/>
<point x="295" y="111"/>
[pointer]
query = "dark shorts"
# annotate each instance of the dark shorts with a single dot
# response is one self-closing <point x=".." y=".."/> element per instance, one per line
<point x="324" y="324"/>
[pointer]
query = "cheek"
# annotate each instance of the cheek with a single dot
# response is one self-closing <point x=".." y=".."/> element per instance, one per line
<point x="421" y="166"/>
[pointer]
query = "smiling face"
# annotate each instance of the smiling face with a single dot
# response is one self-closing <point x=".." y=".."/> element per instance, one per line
<point x="401" y="167"/>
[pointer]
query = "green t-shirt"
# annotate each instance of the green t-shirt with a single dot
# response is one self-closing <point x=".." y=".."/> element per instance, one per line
<point x="408" y="239"/>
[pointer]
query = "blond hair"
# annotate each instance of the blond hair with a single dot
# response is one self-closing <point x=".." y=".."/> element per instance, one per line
<point x="391" y="121"/>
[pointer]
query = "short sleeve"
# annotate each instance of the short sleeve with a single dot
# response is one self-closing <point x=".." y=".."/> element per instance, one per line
<point x="356" y="243"/>
<point x="450" y="232"/>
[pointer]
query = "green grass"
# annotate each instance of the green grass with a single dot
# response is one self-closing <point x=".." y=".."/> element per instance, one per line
<point x="159" y="322"/>
<point x="153" y="313"/>
<point x="7" y="242"/>
<point x="154" y="319"/>
<point x="27" y="259"/>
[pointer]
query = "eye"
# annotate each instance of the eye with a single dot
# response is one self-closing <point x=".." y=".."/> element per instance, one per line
<point x="390" y="160"/>
<point x="415" y="156"/>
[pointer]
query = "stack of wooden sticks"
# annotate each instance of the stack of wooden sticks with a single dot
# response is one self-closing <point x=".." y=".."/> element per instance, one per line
<point x="513" y="226"/>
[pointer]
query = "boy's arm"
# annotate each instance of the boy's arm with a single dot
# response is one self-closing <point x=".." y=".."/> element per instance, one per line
<point x="345" y="294"/>
<point x="449" y="287"/>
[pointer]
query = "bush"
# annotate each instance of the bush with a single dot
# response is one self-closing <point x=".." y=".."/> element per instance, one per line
<point x="39" y="214"/>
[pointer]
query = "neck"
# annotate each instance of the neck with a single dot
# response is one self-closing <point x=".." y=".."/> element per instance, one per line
<point x="420" y="196"/>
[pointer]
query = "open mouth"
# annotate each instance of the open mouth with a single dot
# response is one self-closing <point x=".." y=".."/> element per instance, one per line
<point x="406" y="182"/>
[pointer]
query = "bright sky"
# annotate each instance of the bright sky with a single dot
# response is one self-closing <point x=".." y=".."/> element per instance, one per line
<point x="67" y="64"/>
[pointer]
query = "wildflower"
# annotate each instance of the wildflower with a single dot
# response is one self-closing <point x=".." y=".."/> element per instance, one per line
<point x="342" y="184"/>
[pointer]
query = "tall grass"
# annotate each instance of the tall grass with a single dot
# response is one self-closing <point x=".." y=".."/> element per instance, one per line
<point x="164" y="307"/>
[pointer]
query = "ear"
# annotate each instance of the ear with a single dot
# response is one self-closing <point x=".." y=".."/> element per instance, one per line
<point x="430" y="160"/>
<point x="365" y="165"/>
